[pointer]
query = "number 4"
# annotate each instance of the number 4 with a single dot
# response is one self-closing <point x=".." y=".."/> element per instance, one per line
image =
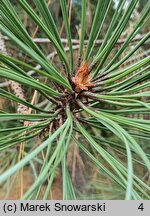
<point x="141" y="207"/>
